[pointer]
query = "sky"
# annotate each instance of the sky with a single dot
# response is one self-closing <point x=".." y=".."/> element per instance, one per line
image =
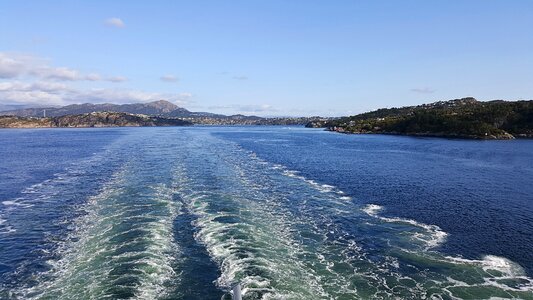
<point x="268" y="58"/>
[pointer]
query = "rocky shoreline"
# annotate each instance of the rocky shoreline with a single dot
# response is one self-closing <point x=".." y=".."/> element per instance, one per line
<point x="95" y="119"/>
<point x="504" y="136"/>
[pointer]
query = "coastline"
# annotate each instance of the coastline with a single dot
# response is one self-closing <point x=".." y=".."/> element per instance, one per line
<point x="90" y="120"/>
<point x="501" y="137"/>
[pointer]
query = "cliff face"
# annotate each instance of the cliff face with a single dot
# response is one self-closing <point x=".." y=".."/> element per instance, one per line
<point x="96" y="119"/>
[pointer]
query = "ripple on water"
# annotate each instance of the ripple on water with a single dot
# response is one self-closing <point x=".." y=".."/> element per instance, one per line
<point x="280" y="234"/>
<point x="123" y="244"/>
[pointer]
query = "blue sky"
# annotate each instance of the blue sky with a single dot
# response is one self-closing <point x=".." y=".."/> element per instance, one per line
<point x="265" y="57"/>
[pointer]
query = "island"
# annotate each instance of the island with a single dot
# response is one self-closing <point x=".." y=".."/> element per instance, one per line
<point x="459" y="118"/>
<point x="93" y="119"/>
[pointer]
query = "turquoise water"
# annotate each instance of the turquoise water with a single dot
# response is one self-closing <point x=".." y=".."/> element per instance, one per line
<point x="291" y="213"/>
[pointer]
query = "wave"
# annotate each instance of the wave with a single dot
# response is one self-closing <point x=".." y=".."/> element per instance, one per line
<point x="250" y="245"/>
<point x="278" y="233"/>
<point x="465" y="275"/>
<point x="432" y="236"/>
<point x="121" y="242"/>
<point x="5" y="228"/>
<point x="323" y="188"/>
<point x="122" y="246"/>
<point x="55" y="190"/>
<point x="247" y="221"/>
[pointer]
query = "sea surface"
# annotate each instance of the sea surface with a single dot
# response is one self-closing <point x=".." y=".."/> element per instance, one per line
<point x="288" y="212"/>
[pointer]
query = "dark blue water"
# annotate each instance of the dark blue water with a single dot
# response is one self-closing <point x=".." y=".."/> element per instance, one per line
<point x="480" y="192"/>
<point x="293" y="213"/>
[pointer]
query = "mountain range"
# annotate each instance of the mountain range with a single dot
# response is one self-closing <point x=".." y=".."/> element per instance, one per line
<point x="161" y="108"/>
<point x="156" y="108"/>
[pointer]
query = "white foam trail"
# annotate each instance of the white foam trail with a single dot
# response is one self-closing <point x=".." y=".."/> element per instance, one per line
<point x="492" y="262"/>
<point x="372" y="209"/>
<point x="434" y="236"/>
<point x="323" y="188"/>
<point x="504" y="265"/>
<point x="125" y="228"/>
<point x="247" y="230"/>
<point x="281" y="235"/>
<point x="509" y="272"/>
<point x="291" y="173"/>
<point x="5" y="228"/>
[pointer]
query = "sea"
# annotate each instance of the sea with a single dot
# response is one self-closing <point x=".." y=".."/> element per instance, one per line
<point x="285" y="212"/>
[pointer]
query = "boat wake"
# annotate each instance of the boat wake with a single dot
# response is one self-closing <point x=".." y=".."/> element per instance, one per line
<point x="275" y="231"/>
<point x="494" y="275"/>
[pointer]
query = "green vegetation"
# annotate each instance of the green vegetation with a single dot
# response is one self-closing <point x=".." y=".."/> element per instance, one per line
<point x="463" y="118"/>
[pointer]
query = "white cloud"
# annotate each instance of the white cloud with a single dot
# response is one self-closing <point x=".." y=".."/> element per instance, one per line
<point x="32" y="81"/>
<point x="117" y="79"/>
<point x="9" y="67"/>
<point x="60" y="73"/>
<point x="46" y="93"/>
<point x="32" y="98"/>
<point x="17" y="65"/>
<point x="37" y="94"/>
<point x="169" y="78"/>
<point x="125" y="96"/>
<point x="423" y="90"/>
<point x="244" y="108"/>
<point x="236" y="77"/>
<point x="17" y="86"/>
<point x="6" y="86"/>
<point x="93" y="77"/>
<point x="115" y="22"/>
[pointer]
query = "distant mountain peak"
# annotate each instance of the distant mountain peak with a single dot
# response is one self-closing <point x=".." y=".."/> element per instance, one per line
<point x="159" y="107"/>
<point x="163" y="104"/>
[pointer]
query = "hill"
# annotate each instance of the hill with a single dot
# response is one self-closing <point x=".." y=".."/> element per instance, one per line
<point x="159" y="108"/>
<point x="459" y="118"/>
<point x="95" y="119"/>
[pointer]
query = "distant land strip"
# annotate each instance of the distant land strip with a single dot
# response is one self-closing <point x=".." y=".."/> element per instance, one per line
<point x="95" y="119"/>
<point x="161" y="109"/>
<point x="459" y="118"/>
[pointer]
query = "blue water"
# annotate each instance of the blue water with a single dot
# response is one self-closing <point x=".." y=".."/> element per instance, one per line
<point x="292" y="213"/>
